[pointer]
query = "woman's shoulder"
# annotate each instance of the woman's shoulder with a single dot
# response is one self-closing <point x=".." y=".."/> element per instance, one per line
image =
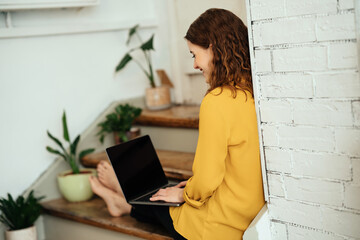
<point x="227" y="94"/>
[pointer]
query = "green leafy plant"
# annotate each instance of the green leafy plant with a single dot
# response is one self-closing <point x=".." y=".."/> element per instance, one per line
<point x="145" y="47"/>
<point x="119" y="121"/>
<point x="21" y="213"/>
<point x="68" y="155"/>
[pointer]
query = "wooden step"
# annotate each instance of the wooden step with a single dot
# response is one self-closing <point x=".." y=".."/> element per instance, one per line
<point x="176" y="165"/>
<point x="178" y="116"/>
<point x="95" y="213"/>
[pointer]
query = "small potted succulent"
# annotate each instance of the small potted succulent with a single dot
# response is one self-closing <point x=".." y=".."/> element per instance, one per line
<point x="156" y="97"/>
<point x="120" y="123"/>
<point x="19" y="216"/>
<point x="73" y="184"/>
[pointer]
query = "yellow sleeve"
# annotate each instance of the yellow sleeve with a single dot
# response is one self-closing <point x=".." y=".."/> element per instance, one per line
<point x="211" y="152"/>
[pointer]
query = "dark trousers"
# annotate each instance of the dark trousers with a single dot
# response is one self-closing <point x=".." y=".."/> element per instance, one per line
<point x="156" y="214"/>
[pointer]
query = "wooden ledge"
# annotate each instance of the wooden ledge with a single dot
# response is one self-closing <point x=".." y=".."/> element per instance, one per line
<point x="181" y="116"/>
<point x="95" y="213"/>
<point x="176" y="165"/>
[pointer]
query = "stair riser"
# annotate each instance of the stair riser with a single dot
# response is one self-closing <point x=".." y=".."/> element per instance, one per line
<point x="62" y="229"/>
<point x="172" y="139"/>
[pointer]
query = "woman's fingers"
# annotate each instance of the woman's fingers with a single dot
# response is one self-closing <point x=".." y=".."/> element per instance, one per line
<point x="181" y="184"/>
<point x="172" y="194"/>
<point x="159" y="193"/>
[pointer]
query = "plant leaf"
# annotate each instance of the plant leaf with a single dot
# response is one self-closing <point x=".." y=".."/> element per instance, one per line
<point x="85" y="152"/>
<point x="101" y="139"/>
<point x="21" y="213"/>
<point x="148" y="45"/>
<point x="74" y="165"/>
<point x="132" y="31"/>
<point x="73" y="146"/>
<point x="124" y="61"/>
<point x="55" y="140"/>
<point x="65" y="128"/>
<point x="55" y="151"/>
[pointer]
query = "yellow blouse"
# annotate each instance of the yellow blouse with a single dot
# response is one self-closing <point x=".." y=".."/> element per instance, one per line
<point x="225" y="192"/>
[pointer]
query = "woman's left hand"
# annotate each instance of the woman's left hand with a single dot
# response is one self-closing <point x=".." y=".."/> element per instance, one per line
<point x="169" y="194"/>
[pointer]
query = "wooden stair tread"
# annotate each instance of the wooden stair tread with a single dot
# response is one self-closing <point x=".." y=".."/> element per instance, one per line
<point x="95" y="213"/>
<point x="176" y="165"/>
<point x="181" y="116"/>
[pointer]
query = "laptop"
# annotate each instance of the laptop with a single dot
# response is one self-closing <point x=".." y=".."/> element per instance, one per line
<point x="138" y="170"/>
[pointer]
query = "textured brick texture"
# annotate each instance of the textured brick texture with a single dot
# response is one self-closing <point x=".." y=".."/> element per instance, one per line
<point x="305" y="68"/>
<point x="286" y="86"/>
<point x="278" y="231"/>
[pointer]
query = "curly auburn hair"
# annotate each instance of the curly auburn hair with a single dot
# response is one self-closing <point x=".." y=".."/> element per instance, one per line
<point x="227" y="36"/>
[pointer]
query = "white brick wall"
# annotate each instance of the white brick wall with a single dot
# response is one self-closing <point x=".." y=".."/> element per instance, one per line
<point x="352" y="193"/>
<point x="307" y="138"/>
<point x="275" y="183"/>
<point x="348" y="141"/>
<point x="314" y="190"/>
<point x="261" y="9"/>
<point x="278" y="160"/>
<point x="341" y="85"/>
<point x="336" y="27"/>
<point x="278" y="231"/>
<point x="346" y="4"/>
<point x="295" y="212"/>
<point x="356" y="170"/>
<point x="300" y="59"/>
<point x="269" y="135"/>
<point x="276" y="111"/>
<point x="280" y="32"/>
<point x="304" y="7"/>
<point x="322" y="112"/>
<point x="356" y="112"/>
<point x="286" y="86"/>
<point x="305" y="66"/>
<point x="342" y="55"/>
<point x="263" y="63"/>
<point x="311" y="164"/>
<point x="342" y="222"/>
<point x="297" y="233"/>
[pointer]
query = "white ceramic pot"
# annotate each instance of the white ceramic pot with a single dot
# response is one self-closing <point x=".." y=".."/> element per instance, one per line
<point x="158" y="98"/>
<point x="22" y="234"/>
<point x="76" y="187"/>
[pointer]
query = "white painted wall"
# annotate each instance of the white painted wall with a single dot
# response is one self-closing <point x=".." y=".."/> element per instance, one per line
<point x="58" y="59"/>
<point x="308" y="90"/>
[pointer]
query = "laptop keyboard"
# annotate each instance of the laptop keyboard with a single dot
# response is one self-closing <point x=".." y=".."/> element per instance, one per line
<point x="145" y="198"/>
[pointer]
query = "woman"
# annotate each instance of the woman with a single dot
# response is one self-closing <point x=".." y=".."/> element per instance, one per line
<point x="225" y="192"/>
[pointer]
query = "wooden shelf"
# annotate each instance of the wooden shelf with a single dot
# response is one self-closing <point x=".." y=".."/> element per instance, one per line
<point x="181" y="116"/>
<point x="176" y="165"/>
<point x="95" y="213"/>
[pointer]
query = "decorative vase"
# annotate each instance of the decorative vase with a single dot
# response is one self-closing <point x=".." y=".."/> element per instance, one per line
<point x="22" y="234"/>
<point x="133" y="133"/>
<point x="76" y="187"/>
<point x="158" y="98"/>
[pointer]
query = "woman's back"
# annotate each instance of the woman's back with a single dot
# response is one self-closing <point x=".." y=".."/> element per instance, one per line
<point x="225" y="193"/>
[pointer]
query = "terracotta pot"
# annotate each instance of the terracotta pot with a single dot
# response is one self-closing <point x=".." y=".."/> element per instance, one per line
<point x="76" y="187"/>
<point x="133" y="133"/>
<point x="158" y="98"/>
<point x="22" y="234"/>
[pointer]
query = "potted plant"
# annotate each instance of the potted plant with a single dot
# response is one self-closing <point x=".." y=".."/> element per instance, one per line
<point x="73" y="184"/>
<point x="156" y="97"/>
<point x="119" y="122"/>
<point x="19" y="216"/>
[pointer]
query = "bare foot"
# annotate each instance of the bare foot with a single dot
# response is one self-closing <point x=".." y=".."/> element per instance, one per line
<point x="115" y="202"/>
<point x="107" y="176"/>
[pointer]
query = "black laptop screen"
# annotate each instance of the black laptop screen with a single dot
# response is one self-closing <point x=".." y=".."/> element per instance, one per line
<point x="137" y="166"/>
